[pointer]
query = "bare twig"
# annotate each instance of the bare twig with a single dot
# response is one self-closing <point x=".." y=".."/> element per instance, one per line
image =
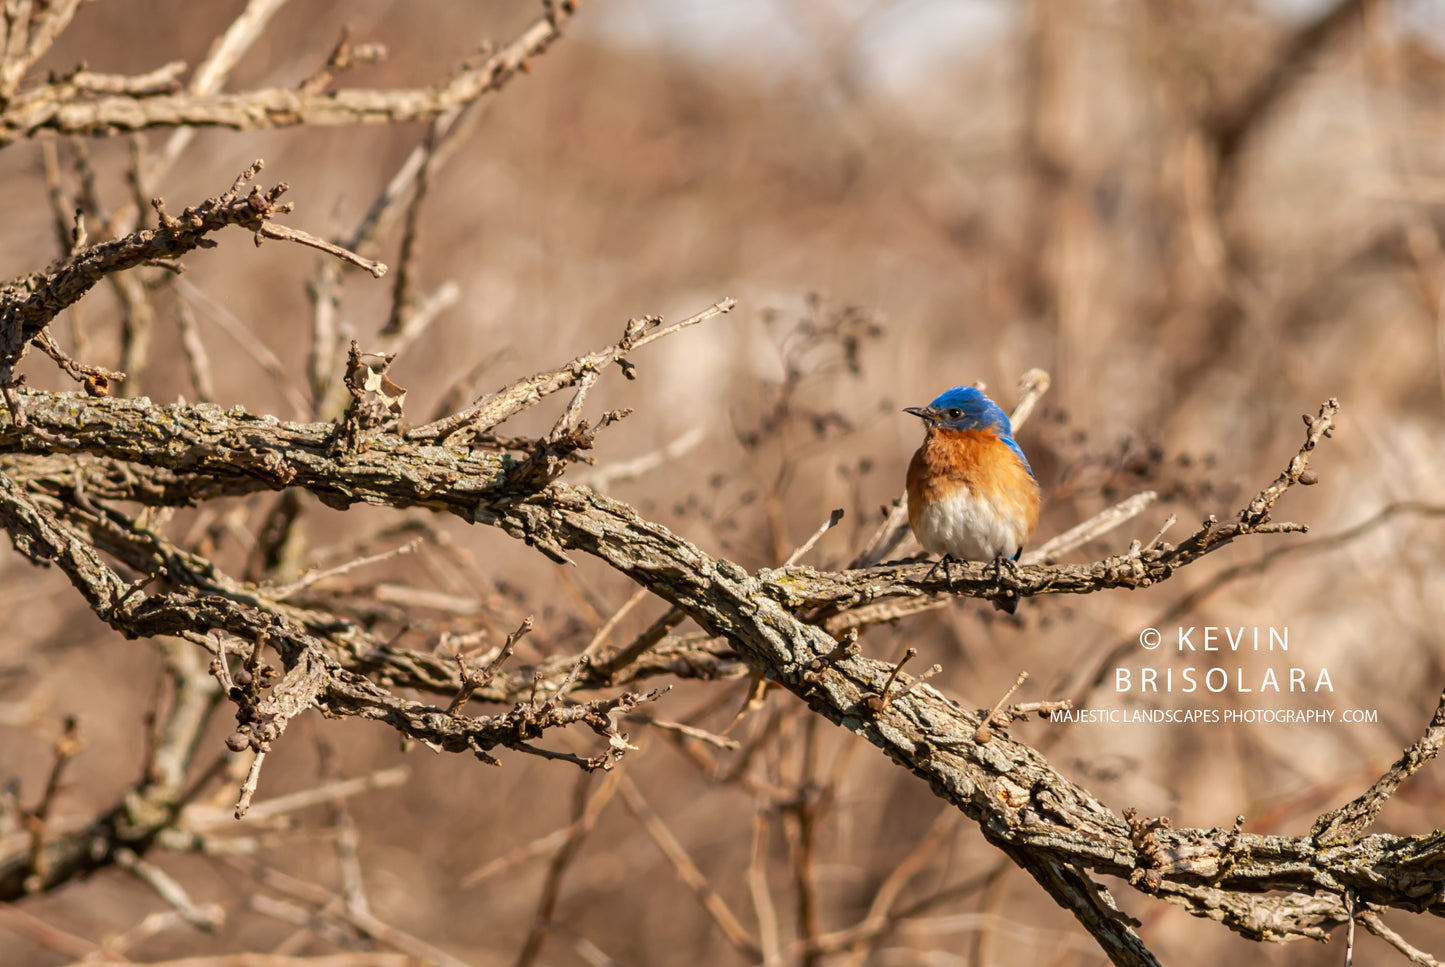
<point x="807" y="545"/>
<point x="605" y="631"/>
<point x="553" y="841"/>
<point x="208" y="917"/>
<point x="225" y="53"/>
<point x="198" y="361"/>
<point x="687" y="871"/>
<point x="491" y="410"/>
<point x="416" y="321"/>
<point x="67" y="747"/>
<point x="688" y="731"/>
<point x="769" y="937"/>
<point x="1377" y="926"/>
<point x="1032" y="387"/>
<point x="584" y="817"/>
<point x="248" y="788"/>
<point x="287" y="234"/>
<point x="287" y="590"/>
<point x="1349" y="822"/>
<point x="245" y="337"/>
<point x="24" y="314"/>
<point x="605" y="476"/>
<point x="410" y="944"/>
<point x="1092" y="529"/>
<point x="983" y="733"/>
<point x="326" y="792"/>
<point x="471" y="682"/>
<point x="29" y="38"/>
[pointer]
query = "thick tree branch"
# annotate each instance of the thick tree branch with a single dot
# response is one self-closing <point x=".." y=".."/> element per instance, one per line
<point x="314" y="678"/>
<point x="243" y="453"/>
<point x="1004" y="785"/>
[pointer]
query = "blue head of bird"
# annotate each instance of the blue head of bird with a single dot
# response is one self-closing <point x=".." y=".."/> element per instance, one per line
<point x="966" y="408"/>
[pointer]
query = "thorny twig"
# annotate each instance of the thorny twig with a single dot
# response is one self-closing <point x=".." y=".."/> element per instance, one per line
<point x="28" y="306"/>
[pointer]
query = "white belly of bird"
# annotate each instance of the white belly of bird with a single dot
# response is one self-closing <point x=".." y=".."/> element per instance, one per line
<point x="968" y="528"/>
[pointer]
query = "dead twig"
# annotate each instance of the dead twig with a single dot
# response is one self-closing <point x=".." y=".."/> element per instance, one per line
<point x="493" y="409"/>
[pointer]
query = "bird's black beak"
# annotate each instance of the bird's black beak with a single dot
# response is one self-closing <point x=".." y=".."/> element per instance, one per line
<point x="924" y="413"/>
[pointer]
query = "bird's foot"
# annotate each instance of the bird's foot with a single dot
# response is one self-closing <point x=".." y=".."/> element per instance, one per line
<point x="1005" y="568"/>
<point x="1006" y="573"/>
<point x="946" y="562"/>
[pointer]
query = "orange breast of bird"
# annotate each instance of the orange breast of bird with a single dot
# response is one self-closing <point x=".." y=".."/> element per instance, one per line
<point x="977" y="472"/>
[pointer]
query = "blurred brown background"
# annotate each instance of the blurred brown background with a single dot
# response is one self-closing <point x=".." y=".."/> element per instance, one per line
<point x="1201" y="218"/>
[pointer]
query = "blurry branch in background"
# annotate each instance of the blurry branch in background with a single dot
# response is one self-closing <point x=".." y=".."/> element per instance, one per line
<point x="28" y="38"/>
<point x="604" y="477"/>
<point x="409" y="315"/>
<point x="82" y="103"/>
<point x="1230" y="127"/>
<point x="147" y="809"/>
<point x="225" y="53"/>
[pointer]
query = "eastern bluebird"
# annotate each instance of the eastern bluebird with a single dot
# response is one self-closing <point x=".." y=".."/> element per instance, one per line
<point x="971" y="493"/>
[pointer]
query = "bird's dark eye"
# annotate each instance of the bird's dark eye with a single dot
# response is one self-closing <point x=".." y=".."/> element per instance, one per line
<point x="955" y="414"/>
